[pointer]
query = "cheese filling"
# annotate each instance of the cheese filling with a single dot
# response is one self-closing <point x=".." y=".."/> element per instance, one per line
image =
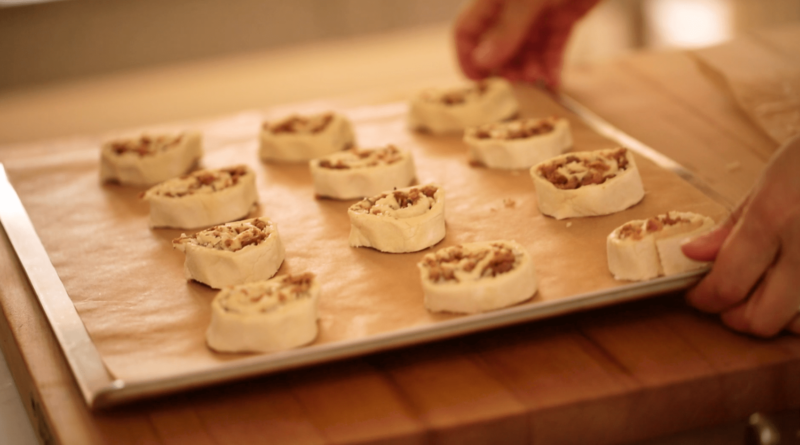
<point x="300" y="124"/>
<point x="355" y="158"/>
<point x="399" y="204"/>
<point x="145" y="145"/>
<point x="200" y="182"/>
<point x="456" y="96"/>
<point x="231" y="237"/>
<point x="574" y="172"/>
<point x="659" y="226"/>
<point x="518" y="129"/>
<point x="461" y="264"/>
<point x="266" y="297"/>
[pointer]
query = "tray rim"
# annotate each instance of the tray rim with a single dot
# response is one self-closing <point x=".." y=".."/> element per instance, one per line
<point x="101" y="390"/>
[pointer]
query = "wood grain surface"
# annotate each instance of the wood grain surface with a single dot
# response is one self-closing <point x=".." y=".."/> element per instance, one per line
<point x="614" y="375"/>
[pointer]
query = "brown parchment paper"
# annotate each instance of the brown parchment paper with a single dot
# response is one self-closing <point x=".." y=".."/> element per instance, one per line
<point x="147" y="321"/>
<point x="764" y="84"/>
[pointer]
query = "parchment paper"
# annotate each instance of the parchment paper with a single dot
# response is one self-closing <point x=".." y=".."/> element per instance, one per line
<point x="765" y="85"/>
<point x="147" y="321"/>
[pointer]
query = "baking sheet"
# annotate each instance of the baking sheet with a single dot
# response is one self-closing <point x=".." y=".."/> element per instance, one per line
<point x="147" y="322"/>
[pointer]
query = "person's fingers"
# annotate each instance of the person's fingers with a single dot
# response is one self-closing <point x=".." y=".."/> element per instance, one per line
<point x="532" y="71"/>
<point x="501" y="42"/>
<point x="530" y="56"/>
<point x="561" y="21"/>
<point x="794" y="325"/>
<point x="476" y="17"/>
<point x="532" y="66"/>
<point x="774" y="303"/>
<point x="553" y="56"/>
<point x="510" y="73"/>
<point x="473" y="20"/>
<point x="706" y="246"/>
<point x="748" y="251"/>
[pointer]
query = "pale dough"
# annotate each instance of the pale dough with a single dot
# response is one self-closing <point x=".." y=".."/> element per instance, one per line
<point x="587" y="183"/>
<point x="147" y="160"/>
<point x="518" y="144"/>
<point x="265" y="316"/>
<point x="302" y="138"/>
<point x="477" y="277"/>
<point x="234" y="253"/>
<point x="404" y="220"/>
<point x="203" y="198"/>
<point x="357" y="173"/>
<point x="649" y="248"/>
<point x="450" y="111"/>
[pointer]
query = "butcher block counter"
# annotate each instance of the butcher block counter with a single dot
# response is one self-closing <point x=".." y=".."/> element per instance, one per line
<point x="619" y="374"/>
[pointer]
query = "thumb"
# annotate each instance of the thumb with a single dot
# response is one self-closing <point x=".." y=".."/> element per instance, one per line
<point x="705" y="247"/>
<point x="794" y="325"/>
<point x="501" y="42"/>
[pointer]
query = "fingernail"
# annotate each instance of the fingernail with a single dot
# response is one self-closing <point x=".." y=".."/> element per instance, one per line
<point x="483" y="55"/>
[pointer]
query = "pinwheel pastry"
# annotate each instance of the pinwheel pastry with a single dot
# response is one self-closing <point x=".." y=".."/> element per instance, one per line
<point x="477" y="277"/>
<point x="265" y="316"/>
<point x="453" y="110"/>
<point x="517" y="144"/>
<point x="234" y="253"/>
<point x="587" y="183"/>
<point x="203" y="198"/>
<point x="647" y="248"/>
<point x="302" y="138"/>
<point x="356" y="173"/>
<point x="147" y="160"/>
<point x="403" y="220"/>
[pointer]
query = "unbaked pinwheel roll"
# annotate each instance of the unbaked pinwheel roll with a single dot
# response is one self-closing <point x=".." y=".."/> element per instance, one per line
<point x="234" y="253"/>
<point x="477" y="277"/>
<point x="587" y="183"/>
<point x="453" y="110"/>
<point x="148" y="160"/>
<point x="403" y="220"/>
<point x="647" y="248"/>
<point x="265" y="316"/>
<point x="302" y="138"/>
<point x="356" y="173"/>
<point x="203" y="198"/>
<point x="517" y="144"/>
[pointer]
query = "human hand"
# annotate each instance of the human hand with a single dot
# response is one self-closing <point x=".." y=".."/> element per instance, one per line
<point x="521" y="40"/>
<point x="755" y="281"/>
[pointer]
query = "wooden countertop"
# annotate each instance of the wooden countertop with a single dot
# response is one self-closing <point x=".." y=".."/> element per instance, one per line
<point x="618" y="374"/>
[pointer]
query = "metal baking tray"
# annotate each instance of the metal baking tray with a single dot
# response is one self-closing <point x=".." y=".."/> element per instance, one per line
<point x="100" y="389"/>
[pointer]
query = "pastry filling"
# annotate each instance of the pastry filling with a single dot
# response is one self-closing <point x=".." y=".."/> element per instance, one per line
<point x="263" y="297"/>
<point x="300" y="124"/>
<point x="355" y="158"/>
<point x="201" y="182"/>
<point x="659" y="225"/>
<point x="231" y="237"/>
<point x="145" y="145"/>
<point x="518" y="129"/>
<point x="464" y="264"/>
<point x="457" y="96"/>
<point x="399" y="203"/>
<point x="572" y="172"/>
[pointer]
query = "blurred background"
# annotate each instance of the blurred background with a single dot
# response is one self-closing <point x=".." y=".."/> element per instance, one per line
<point x="50" y="41"/>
